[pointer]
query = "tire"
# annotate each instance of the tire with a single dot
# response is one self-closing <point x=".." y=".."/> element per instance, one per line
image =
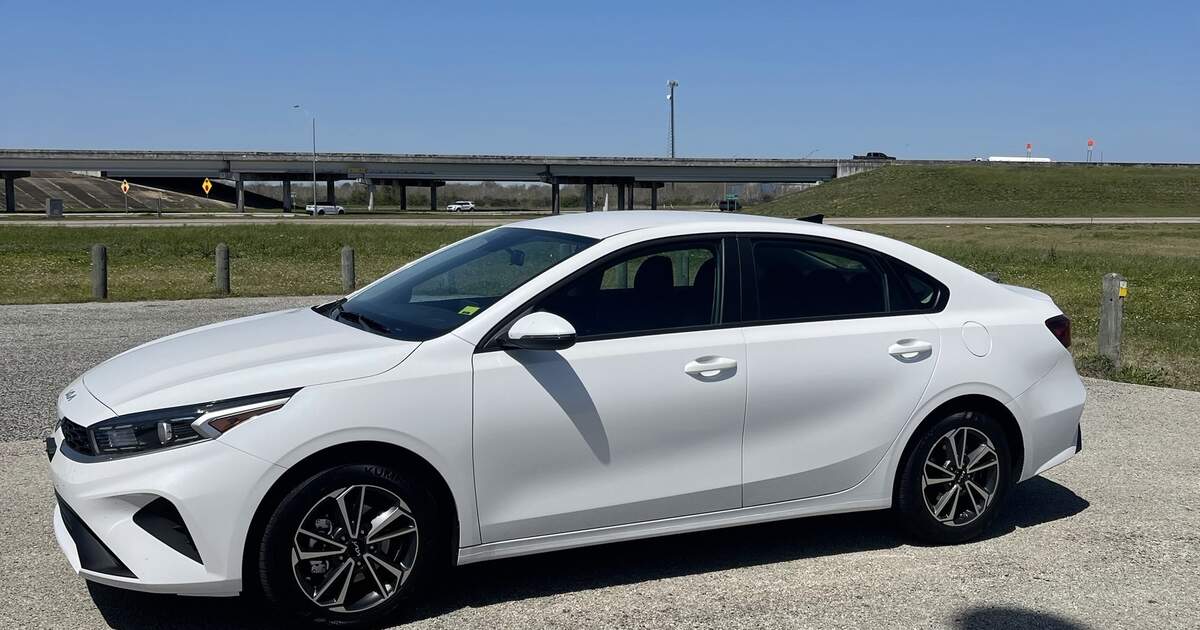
<point x="965" y="498"/>
<point x="320" y="212"/>
<point x="314" y="589"/>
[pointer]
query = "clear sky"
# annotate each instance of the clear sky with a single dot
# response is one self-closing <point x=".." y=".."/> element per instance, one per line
<point x="771" y="79"/>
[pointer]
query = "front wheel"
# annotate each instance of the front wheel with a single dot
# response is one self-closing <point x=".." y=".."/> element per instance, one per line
<point x="349" y="545"/>
<point x="954" y="480"/>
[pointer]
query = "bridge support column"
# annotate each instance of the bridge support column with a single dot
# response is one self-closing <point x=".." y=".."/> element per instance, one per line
<point x="287" y="195"/>
<point x="433" y="198"/>
<point x="589" y="197"/>
<point x="620" y="196"/>
<point x="555" y="199"/>
<point x="631" y="188"/>
<point x="403" y="197"/>
<point x="330" y="192"/>
<point x="370" y="195"/>
<point x="654" y="197"/>
<point x="10" y="193"/>
<point x="240" y="185"/>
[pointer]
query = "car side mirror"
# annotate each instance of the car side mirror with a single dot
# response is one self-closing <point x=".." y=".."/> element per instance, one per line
<point x="540" y="331"/>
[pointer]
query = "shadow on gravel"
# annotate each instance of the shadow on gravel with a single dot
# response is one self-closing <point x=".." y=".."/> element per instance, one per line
<point x="1033" y="503"/>
<point x="1003" y="618"/>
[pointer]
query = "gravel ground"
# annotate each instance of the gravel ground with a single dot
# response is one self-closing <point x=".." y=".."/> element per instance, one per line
<point x="1108" y="540"/>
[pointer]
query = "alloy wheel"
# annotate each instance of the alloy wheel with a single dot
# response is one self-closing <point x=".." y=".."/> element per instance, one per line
<point x="355" y="548"/>
<point x="960" y="476"/>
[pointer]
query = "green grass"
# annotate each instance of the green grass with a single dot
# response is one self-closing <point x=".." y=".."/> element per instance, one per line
<point x="991" y="190"/>
<point x="1161" y="263"/>
<point x="51" y="264"/>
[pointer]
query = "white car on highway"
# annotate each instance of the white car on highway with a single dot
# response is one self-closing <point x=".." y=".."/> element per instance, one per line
<point x="461" y="206"/>
<point x="324" y="208"/>
<point x="567" y="381"/>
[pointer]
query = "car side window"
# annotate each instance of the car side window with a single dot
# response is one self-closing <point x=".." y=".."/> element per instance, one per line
<point x="915" y="290"/>
<point x="799" y="279"/>
<point x="667" y="287"/>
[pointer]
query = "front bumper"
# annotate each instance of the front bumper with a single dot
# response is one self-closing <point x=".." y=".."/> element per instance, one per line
<point x="213" y="489"/>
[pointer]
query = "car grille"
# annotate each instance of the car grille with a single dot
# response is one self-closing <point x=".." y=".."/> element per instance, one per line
<point x="76" y="437"/>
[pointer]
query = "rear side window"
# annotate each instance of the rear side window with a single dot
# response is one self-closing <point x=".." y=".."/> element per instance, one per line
<point x="915" y="290"/>
<point x="802" y="279"/>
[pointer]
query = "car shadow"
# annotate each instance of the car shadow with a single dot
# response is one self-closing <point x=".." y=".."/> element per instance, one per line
<point x="1033" y="503"/>
<point x="1005" y="617"/>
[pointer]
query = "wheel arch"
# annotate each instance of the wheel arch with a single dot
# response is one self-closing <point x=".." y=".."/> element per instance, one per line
<point x="966" y="402"/>
<point x="356" y="452"/>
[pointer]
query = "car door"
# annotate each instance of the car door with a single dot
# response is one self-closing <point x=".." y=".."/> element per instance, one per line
<point x="839" y="354"/>
<point x="641" y="419"/>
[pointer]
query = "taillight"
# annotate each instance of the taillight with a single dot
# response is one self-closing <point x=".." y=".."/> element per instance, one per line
<point x="1060" y="326"/>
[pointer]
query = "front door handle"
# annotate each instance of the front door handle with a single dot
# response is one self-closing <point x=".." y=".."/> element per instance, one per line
<point x="709" y="367"/>
<point x="911" y="350"/>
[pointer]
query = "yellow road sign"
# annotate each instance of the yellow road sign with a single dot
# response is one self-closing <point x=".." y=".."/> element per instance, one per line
<point x="125" y="186"/>
<point x="206" y="186"/>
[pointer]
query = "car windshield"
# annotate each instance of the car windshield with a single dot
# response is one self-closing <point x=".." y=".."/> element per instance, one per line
<point x="437" y="294"/>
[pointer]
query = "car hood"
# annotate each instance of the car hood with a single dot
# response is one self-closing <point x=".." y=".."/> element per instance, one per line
<point x="241" y="357"/>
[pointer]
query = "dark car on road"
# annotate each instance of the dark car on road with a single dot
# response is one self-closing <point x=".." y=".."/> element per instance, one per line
<point x="874" y="155"/>
<point x="729" y="205"/>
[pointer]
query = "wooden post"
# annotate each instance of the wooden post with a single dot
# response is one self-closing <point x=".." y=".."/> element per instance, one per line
<point x="222" y="268"/>
<point x="1112" y="315"/>
<point x="347" y="268"/>
<point x="99" y="272"/>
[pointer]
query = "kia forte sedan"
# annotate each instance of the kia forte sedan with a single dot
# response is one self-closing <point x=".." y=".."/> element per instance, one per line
<point x="567" y="381"/>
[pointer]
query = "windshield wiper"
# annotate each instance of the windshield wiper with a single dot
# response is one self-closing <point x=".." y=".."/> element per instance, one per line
<point x="363" y="321"/>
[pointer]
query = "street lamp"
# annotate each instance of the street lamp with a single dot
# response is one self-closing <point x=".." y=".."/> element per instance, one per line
<point x="314" y="151"/>
<point x="671" y="85"/>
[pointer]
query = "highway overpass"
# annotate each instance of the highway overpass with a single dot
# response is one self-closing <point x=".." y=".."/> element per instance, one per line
<point x="183" y="171"/>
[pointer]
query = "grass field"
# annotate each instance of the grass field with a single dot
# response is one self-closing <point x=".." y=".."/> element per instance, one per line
<point x="51" y="264"/>
<point x="1161" y="263"/>
<point x="990" y="190"/>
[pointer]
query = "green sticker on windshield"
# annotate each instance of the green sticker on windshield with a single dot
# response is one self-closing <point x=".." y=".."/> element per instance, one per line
<point x="469" y="310"/>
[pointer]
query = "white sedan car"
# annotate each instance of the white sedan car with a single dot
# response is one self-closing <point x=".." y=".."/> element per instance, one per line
<point x="568" y="381"/>
<point x="322" y="209"/>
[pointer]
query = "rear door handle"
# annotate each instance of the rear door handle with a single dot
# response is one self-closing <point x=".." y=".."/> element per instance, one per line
<point x="911" y="350"/>
<point x="709" y="366"/>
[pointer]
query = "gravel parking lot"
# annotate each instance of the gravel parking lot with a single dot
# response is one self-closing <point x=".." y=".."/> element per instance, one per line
<point x="1108" y="540"/>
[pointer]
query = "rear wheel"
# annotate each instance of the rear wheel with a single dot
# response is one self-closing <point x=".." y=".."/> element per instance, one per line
<point x="350" y="545"/>
<point x="954" y="480"/>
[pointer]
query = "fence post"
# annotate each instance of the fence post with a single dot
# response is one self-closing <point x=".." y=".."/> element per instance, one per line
<point x="99" y="272"/>
<point x="222" y="268"/>
<point x="992" y="275"/>
<point x="1112" y="315"/>
<point x="347" y="268"/>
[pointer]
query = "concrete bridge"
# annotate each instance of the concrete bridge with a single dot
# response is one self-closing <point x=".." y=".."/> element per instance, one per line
<point x="183" y="171"/>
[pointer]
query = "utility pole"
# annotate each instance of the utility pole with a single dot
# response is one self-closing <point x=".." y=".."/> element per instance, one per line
<point x="314" y="151"/>
<point x="671" y="85"/>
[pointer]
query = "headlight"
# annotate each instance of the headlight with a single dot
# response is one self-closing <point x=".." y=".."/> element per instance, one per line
<point x="165" y="428"/>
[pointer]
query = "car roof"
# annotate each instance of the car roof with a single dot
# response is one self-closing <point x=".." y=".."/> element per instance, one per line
<point x="601" y="225"/>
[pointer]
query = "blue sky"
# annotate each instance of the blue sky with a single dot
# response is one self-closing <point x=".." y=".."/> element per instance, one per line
<point x="773" y="79"/>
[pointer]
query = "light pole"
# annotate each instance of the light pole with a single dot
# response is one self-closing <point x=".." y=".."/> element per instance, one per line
<point x="671" y="85"/>
<point x="314" y="151"/>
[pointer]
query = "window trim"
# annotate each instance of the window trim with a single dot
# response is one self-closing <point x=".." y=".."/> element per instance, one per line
<point x="884" y="262"/>
<point x="728" y="288"/>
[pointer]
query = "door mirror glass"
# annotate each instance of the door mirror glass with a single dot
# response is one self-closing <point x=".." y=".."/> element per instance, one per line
<point x="540" y="331"/>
